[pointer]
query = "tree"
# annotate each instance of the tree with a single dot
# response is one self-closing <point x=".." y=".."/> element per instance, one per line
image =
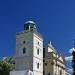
<point x="5" y="68"/>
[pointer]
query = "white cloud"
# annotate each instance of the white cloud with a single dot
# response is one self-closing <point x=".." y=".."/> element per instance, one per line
<point x="71" y="50"/>
<point x="68" y="58"/>
<point x="4" y="58"/>
<point x="70" y="70"/>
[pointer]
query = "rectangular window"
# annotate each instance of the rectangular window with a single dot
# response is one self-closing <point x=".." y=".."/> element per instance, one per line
<point x="24" y="42"/>
<point x="38" y="43"/>
<point x="43" y="52"/>
<point x="38" y="65"/>
<point x="38" y="51"/>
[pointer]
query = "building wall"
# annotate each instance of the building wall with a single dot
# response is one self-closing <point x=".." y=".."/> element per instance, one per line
<point x="54" y="62"/>
<point x="31" y="58"/>
<point x="24" y="61"/>
<point x="37" y="57"/>
<point x="48" y="67"/>
<point x="59" y="68"/>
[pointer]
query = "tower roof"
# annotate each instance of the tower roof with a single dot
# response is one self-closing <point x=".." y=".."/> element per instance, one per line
<point x="30" y="26"/>
<point x="30" y="22"/>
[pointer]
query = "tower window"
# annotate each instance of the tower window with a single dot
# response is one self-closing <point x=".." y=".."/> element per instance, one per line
<point x="27" y="27"/>
<point x="38" y="65"/>
<point x="38" y="51"/>
<point x="24" y="42"/>
<point x="38" y="43"/>
<point x="43" y="52"/>
<point x="24" y="50"/>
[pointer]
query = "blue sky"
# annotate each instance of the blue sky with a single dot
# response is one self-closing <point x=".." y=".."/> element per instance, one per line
<point x="55" y="20"/>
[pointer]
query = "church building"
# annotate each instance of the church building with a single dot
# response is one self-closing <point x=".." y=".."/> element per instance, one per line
<point x="29" y="51"/>
<point x="54" y="63"/>
<point x="34" y="58"/>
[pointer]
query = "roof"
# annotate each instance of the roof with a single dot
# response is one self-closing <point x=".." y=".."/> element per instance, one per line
<point x="31" y="22"/>
<point x="51" y="46"/>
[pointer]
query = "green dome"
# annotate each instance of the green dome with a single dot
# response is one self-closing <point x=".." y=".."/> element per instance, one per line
<point x="30" y="26"/>
<point x="30" y="22"/>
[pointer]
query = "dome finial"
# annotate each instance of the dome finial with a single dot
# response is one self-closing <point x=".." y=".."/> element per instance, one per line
<point x="49" y="42"/>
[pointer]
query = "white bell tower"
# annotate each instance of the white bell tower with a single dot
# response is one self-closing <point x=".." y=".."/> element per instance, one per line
<point x="29" y="49"/>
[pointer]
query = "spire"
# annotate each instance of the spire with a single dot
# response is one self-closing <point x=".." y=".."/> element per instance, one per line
<point x="50" y="43"/>
<point x="51" y="46"/>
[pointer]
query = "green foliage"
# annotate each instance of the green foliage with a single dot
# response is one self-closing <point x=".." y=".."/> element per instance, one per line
<point x="5" y="68"/>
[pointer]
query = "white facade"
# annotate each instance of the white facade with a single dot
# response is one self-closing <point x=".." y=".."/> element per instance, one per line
<point x="53" y="62"/>
<point x="29" y="52"/>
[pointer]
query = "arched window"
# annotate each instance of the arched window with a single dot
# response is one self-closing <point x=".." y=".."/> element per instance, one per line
<point x="24" y="50"/>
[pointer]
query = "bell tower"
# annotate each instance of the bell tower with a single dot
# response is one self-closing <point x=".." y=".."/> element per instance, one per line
<point x="29" y="49"/>
<point x="30" y="26"/>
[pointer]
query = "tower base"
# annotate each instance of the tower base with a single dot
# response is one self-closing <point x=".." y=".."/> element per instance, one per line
<point x="24" y="72"/>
